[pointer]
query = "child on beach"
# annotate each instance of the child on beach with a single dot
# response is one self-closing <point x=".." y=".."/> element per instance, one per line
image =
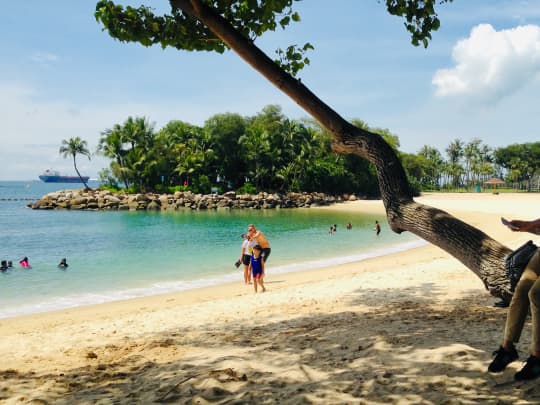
<point x="257" y="267"/>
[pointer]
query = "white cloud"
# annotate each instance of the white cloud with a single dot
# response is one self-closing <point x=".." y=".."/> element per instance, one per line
<point x="490" y="64"/>
<point x="44" y="59"/>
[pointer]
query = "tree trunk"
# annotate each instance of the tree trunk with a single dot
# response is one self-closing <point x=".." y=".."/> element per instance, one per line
<point x="78" y="174"/>
<point x="476" y="250"/>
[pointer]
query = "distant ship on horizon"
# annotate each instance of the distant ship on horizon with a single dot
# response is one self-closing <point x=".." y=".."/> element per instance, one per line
<point x="53" y="176"/>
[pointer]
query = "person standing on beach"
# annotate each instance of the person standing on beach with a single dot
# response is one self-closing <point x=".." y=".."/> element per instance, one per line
<point x="245" y="256"/>
<point x="526" y="298"/>
<point x="260" y="239"/>
<point x="377" y="228"/>
<point x="256" y="266"/>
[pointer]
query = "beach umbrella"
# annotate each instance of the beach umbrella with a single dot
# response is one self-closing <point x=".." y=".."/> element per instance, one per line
<point x="494" y="181"/>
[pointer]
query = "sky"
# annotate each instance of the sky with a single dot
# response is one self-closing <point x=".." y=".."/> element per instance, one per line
<point x="61" y="76"/>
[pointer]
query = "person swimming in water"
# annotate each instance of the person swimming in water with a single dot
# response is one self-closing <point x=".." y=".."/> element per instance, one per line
<point x="25" y="263"/>
<point x="377" y="228"/>
<point x="63" y="264"/>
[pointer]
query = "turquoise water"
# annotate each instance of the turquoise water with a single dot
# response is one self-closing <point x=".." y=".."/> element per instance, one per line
<point x="120" y="255"/>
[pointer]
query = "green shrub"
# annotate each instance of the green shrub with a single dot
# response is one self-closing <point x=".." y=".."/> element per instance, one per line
<point x="247" y="188"/>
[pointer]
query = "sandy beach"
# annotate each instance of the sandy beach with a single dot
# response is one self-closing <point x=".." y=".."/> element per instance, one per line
<point x="414" y="327"/>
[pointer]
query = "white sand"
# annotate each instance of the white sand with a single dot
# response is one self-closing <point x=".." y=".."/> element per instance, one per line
<point x="414" y="327"/>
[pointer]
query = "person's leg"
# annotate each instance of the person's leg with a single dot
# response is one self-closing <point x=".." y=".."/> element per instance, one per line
<point x="519" y="308"/>
<point x="531" y="369"/>
<point x="534" y="298"/>
<point x="266" y="253"/>
<point x="517" y="313"/>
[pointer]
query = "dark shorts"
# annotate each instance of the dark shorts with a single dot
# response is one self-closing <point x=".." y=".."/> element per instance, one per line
<point x="246" y="259"/>
<point x="265" y="254"/>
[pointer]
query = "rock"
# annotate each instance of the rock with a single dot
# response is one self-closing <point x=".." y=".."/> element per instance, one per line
<point x="180" y="200"/>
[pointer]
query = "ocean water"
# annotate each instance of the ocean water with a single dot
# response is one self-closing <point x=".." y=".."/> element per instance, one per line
<point x="122" y="255"/>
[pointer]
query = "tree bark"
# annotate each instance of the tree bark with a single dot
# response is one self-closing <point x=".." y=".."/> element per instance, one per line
<point x="476" y="250"/>
<point x="78" y="174"/>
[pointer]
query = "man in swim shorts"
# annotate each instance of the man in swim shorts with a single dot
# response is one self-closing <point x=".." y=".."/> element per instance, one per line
<point x="260" y="238"/>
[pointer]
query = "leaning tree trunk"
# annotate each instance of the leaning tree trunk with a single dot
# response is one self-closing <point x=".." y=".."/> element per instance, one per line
<point x="476" y="250"/>
<point x="78" y="174"/>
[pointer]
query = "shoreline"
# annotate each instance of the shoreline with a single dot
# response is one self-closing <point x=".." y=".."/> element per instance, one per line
<point x="409" y="327"/>
<point x="172" y="288"/>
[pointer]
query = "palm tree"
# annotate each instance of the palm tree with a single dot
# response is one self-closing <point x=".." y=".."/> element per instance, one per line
<point x="73" y="147"/>
<point x="455" y="153"/>
<point x="111" y="145"/>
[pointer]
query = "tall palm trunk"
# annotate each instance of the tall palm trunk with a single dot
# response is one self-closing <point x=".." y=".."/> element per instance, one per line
<point x="78" y="174"/>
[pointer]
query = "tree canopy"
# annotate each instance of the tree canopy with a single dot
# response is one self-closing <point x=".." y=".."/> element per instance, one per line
<point x="264" y="152"/>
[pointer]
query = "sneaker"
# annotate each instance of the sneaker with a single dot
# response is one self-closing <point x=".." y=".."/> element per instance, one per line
<point x="501" y="304"/>
<point x="530" y="370"/>
<point x="502" y="358"/>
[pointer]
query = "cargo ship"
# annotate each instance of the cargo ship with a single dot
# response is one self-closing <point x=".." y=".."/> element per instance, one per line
<point x="52" y="176"/>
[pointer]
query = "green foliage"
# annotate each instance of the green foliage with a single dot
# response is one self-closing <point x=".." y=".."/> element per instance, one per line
<point x="266" y="152"/>
<point x="420" y="17"/>
<point x="201" y="184"/>
<point x="247" y="188"/>
<point x="270" y="152"/>
<point x="129" y="24"/>
<point x="107" y="180"/>
<point x="128" y="144"/>
<point x="293" y="59"/>
<point x="250" y="18"/>
<point x="73" y="147"/>
<point x="108" y="187"/>
<point x="521" y="160"/>
<point x="180" y="30"/>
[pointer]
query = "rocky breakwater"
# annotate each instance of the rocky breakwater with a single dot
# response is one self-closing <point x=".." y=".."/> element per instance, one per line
<point x="106" y="200"/>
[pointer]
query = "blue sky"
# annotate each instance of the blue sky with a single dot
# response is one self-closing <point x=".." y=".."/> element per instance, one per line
<point x="61" y="76"/>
